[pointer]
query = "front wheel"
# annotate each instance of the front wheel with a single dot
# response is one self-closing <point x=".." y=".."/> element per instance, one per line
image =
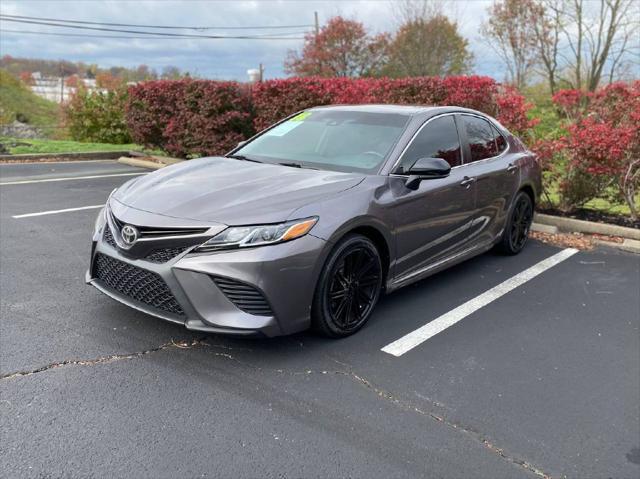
<point x="348" y="288"/>
<point x="518" y="225"/>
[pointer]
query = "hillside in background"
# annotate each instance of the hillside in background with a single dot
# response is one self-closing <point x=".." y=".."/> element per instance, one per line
<point x="17" y="102"/>
<point x="64" y="68"/>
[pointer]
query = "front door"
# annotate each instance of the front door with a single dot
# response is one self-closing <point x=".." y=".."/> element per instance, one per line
<point x="433" y="221"/>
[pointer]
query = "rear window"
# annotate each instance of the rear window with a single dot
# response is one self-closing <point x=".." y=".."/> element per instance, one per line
<point x="481" y="137"/>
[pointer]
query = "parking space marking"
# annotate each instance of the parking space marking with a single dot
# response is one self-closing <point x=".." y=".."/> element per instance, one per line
<point x="55" y="212"/>
<point x="420" y="335"/>
<point x="68" y="178"/>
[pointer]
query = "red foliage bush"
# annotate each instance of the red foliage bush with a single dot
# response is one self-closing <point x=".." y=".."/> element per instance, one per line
<point x="200" y="117"/>
<point x="571" y="102"/>
<point x="602" y="144"/>
<point x="276" y="99"/>
<point x="189" y="117"/>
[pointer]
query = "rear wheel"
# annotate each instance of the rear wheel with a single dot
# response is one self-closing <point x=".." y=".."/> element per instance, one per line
<point x="348" y="288"/>
<point x="518" y="225"/>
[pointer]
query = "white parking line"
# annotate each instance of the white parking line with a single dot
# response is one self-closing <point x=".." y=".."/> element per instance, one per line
<point x="69" y="178"/>
<point x="55" y="212"/>
<point x="420" y="335"/>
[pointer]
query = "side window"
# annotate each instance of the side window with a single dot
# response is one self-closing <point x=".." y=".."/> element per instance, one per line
<point x="501" y="142"/>
<point x="438" y="139"/>
<point x="481" y="137"/>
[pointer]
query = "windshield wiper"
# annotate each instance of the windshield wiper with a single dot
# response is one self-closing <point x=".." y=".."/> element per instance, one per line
<point x="243" y="158"/>
<point x="293" y="164"/>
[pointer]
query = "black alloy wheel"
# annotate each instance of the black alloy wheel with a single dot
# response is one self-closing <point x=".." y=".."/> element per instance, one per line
<point x="349" y="287"/>
<point x="517" y="230"/>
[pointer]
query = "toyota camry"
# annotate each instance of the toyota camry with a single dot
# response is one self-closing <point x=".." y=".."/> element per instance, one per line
<point x="309" y="222"/>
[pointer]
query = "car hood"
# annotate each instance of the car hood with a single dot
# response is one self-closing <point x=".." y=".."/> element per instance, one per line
<point x="230" y="191"/>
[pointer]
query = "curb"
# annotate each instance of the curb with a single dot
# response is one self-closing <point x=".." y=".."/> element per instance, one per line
<point x="38" y="157"/>
<point x="540" y="228"/>
<point x="152" y="165"/>
<point x="167" y="160"/>
<point x="571" y="225"/>
<point x="628" y="245"/>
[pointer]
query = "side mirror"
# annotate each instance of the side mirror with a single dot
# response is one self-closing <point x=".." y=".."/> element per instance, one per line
<point x="427" y="169"/>
<point x="241" y="143"/>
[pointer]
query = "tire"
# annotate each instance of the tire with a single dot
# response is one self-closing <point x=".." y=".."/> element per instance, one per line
<point x="516" y="231"/>
<point x="348" y="288"/>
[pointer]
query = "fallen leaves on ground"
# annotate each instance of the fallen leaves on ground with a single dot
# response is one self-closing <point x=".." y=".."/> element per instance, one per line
<point x="567" y="240"/>
<point x="579" y="241"/>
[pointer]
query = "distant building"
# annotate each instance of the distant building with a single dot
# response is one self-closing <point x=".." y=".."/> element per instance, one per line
<point x="56" y="88"/>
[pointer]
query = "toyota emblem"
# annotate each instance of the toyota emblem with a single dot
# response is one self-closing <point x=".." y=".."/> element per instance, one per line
<point x="129" y="235"/>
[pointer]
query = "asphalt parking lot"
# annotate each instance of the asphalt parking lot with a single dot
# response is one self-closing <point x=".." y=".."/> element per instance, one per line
<point x="543" y="381"/>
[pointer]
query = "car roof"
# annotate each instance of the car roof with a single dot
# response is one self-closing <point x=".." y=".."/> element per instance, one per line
<point x="409" y="110"/>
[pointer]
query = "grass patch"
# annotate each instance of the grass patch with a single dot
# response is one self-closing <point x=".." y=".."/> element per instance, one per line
<point x="17" y="102"/>
<point x="23" y="146"/>
<point x="551" y="199"/>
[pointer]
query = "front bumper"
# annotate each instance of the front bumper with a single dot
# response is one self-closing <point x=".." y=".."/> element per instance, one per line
<point x="285" y="274"/>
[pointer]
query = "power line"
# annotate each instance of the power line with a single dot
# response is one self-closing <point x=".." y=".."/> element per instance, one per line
<point x="126" y="37"/>
<point x="156" y="34"/>
<point x="171" y="27"/>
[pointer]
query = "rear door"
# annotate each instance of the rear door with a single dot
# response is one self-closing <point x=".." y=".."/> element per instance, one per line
<point x="496" y="179"/>
<point x="433" y="221"/>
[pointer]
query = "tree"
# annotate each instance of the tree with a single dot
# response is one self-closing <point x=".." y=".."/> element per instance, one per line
<point x="599" y="35"/>
<point x="171" y="72"/>
<point x="342" y="48"/>
<point x="143" y="72"/>
<point x="428" y="47"/>
<point x="509" y="30"/>
<point x="73" y="81"/>
<point x="547" y="28"/>
<point x="27" y="78"/>
<point x="577" y="43"/>
<point x="107" y="81"/>
<point x="406" y="11"/>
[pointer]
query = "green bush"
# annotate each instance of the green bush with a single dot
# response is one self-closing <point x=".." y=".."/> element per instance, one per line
<point x="98" y="116"/>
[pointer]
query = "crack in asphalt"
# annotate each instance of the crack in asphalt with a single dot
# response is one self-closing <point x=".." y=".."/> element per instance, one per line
<point x="408" y="406"/>
<point x="181" y="344"/>
<point x="349" y="373"/>
<point x="404" y="404"/>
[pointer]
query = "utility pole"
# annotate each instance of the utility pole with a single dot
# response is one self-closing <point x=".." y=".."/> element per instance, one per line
<point x="261" y="67"/>
<point x="61" y="85"/>
<point x="315" y="40"/>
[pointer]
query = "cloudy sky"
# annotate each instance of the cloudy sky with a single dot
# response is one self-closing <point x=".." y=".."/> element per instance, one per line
<point x="211" y="58"/>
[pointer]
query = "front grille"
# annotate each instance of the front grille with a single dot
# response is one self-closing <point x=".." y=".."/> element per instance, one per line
<point x="245" y="297"/>
<point x="162" y="255"/>
<point x="158" y="255"/>
<point x="156" y="232"/>
<point x="136" y="283"/>
<point x="108" y="237"/>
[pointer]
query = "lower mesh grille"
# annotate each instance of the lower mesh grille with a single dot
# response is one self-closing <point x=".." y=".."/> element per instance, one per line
<point x="162" y="255"/>
<point x="136" y="283"/>
<point x="245" y="297"/>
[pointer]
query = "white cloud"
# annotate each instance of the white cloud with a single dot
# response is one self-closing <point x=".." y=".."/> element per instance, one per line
<point x="228" y="59"/>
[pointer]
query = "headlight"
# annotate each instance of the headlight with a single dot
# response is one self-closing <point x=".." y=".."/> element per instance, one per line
<point x="248" y="236"/>
<point x="100" y="221"/>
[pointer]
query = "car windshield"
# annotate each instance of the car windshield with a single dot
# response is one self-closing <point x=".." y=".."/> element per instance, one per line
<point x="350" y="141"/>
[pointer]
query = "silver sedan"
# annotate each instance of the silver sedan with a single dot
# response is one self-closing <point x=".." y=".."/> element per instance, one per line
<point x="309" y="222"/>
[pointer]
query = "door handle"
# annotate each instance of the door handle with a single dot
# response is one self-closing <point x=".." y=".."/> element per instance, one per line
<point x="467" y="182"/>
<point x="512" y="168"/>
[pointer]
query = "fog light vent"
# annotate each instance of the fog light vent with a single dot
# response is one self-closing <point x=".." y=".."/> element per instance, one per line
<point x="243" y="296"/>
